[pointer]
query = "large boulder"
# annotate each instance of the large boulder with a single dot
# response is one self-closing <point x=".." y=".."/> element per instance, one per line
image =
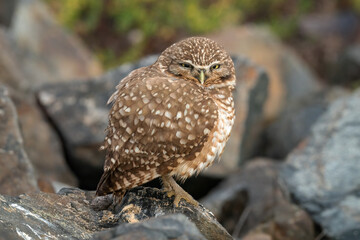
<point x="250" y="202"/>
<point x="16" y="173"/>
<point x="294" y="124"/>
<point x="70" y="215"/>
<point x="323" y="173"/>
<point x="45" y="51"/>
<point x="38" y="135"/>
<point x="346" y="70"/>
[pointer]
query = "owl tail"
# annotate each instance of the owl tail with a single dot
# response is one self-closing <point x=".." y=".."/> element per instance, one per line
<point x="103" y="185"/>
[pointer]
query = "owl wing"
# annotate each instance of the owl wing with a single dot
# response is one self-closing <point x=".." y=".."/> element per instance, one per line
<point x="154" y="125"/>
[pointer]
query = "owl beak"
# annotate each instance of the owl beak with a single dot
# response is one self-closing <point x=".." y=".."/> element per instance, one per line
<point x="202" y="76"/>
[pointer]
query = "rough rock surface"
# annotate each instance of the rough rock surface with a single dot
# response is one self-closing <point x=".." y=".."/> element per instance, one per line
<point x="70" y="215"/>
<point x="323" y="173"/>
<point x="252" y="200"/>
<point x="16" y="172"/>
<point x="45" y="51"/>
<point x="10" y="74"/>
<point x="41" y="143"/>
<point x="295" y="122"/>
<point x="346" y="70"/>
<point x="175" y="226"/>
<point x="39" y="137"/>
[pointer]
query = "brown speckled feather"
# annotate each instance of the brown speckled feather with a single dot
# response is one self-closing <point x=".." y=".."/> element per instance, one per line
<point x="162" y="123"/>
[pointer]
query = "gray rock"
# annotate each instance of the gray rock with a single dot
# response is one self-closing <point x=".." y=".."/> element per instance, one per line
<point x="251" y="201"/>
<point x="16" y="172"/>
<point x="346" y="71"/>
<point x="41" y="141"/>
<point x="70" y="215"/>
<point x="7" y="11"/>
<point x="175" y="226"/>
<point x="10" y="72"/>
<point x="39" y="137"/>
<point x="323" y="173"/>
<point x="295" y="122"/>
<point x="45" y="51"/>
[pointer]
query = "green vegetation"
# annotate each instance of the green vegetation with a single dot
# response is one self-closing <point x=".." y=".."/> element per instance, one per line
<point x="157" y="21"/>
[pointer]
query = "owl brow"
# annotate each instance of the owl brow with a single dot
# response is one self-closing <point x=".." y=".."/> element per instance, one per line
<point x="206" y="66"/>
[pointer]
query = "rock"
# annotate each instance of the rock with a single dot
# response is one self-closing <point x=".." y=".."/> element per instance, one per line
<point x="322" y="174"/>
<point x="290" y="78"/>
<point x="257" y="236"/>
<point x="39" y="137"/>
<point x="41" y="143"/>
<point x="45" y="51"/>
<point x="175" y="226"/>
<point x="7" y="11"/>
<point x="319" y="26"/>
<point x="143" y="203"/>
<point x="251" y="201"/>
<point x="10" y="74"/>
<point x="16" y="172"/>
<point x="346" y="70"/>
<point x="325" y="36"/>
<point x="69" y="215"/>
<point x="295" y="122"/>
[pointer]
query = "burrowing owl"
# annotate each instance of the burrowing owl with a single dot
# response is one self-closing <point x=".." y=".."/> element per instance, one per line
<point x="172" y="118"/>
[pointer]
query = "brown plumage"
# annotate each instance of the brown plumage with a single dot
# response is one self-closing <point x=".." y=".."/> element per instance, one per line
<point x="171" y="118"/>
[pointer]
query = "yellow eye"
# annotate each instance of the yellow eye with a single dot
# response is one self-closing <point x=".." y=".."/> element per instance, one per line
<point x="185" y="65"/>
<point x="215" y="66"/>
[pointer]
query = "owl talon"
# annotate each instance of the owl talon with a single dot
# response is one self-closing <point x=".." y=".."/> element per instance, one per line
<point x="173" y="189"/>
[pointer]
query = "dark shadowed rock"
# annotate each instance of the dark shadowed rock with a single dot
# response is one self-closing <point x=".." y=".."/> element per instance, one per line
<point x="252" y="200"/>
<point x="295" y="122"/>
<point x="41" y="143"/>
<point x="175" y="226"/>
<point x="323" y="173"/>
<point x="16" y="172"/>
<point x="69" y="215"/>
<point x="46" y="52"/>
<point x="346" y="70"/>
<point x="7" y="11"/>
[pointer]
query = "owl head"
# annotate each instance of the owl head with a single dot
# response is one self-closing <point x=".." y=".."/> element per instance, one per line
<point x="200" y="60"/>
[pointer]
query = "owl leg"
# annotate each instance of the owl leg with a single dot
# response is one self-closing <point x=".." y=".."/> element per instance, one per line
<point x="118" y="196"/>
<point x="173" y="189"/>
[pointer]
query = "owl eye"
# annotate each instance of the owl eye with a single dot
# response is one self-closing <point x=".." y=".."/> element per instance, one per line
<point x="215" y="66"/>
<point x="185" y="65"/>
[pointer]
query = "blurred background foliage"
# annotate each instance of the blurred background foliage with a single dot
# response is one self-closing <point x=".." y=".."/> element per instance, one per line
<point x="121" y="31"/>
